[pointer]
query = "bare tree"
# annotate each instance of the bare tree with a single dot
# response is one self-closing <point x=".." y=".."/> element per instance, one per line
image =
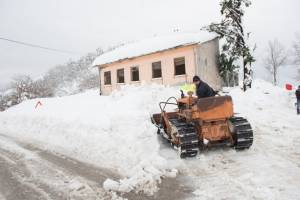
<point x="42" y="88"/>
<point x="88" y="82"/>
<point x="297" y="54"/>
<point x="23" y="86"/>
<point x="297" y="49"/>
<point x="276" y="58"/>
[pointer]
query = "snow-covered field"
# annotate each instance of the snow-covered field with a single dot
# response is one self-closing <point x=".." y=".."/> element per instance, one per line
<point x="271" y="168"/>
<point x="115" y="132"/>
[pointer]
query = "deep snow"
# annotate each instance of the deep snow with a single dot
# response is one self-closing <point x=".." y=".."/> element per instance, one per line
<point x="270" y="169"/>
<point x="115" y="132"/>
<point x="110" y="131"/>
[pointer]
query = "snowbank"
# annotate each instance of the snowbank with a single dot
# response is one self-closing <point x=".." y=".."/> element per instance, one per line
<point x="270" y="168"/>
<point x="110" y="131"/>
<point x="265" y="103"/>
<point x="272" y="113"/>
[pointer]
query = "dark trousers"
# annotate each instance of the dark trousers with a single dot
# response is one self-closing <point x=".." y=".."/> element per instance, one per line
<point x="298" y="106"/>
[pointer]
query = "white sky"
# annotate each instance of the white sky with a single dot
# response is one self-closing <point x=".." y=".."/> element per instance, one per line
<point x="83" y="25"/>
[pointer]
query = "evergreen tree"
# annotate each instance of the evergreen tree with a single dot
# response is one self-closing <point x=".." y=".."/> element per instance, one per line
<point x="231" y="29"/>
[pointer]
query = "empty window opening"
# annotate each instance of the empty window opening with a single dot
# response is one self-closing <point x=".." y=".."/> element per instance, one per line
<point x="179" y="64"/>
<point x="156" y="69"/>
<point x="120" y="76"/>
<point x="107" y="78"/>
<point x="135" y="74"/>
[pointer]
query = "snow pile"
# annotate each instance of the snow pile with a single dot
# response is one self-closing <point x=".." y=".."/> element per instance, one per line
<point x="152" y="45"/>
<point x="270" y="168"/>
<point x="110" y="131"/>
<point x="265" y="104"/>
<point x="272" y="112"/>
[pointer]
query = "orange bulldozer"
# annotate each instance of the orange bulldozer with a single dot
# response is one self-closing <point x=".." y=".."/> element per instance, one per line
<point x="201" y="123"/>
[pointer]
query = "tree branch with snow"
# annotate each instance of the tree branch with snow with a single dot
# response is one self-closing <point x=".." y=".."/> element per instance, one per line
<point x="231" y="29"/>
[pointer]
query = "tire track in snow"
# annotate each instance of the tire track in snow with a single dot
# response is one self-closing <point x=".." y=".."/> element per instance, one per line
<point x="63" y="170"/>
<point x="12" y="187"/>
<point x="26" y="174"/>
<point x="170" y="189"/>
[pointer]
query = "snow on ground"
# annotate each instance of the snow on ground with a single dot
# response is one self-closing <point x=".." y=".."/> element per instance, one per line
<point x="38" y="174"/>
<point x="110" y="131"/>
<point x="115" y="132"/>
<point x="270" y="169"/>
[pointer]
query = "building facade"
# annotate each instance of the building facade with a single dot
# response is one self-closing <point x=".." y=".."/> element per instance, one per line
<point x="172" y="66"/>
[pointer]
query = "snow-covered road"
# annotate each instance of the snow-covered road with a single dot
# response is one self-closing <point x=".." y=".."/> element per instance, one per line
<point x="29" y="173"/>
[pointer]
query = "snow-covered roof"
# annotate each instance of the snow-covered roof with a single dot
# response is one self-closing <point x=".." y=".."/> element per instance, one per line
<point x="152" y="45"/>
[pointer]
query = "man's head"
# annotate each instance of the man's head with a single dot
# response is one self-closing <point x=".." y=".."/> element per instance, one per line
<point x="299" y="87"/>
<point x="196" y="80"/>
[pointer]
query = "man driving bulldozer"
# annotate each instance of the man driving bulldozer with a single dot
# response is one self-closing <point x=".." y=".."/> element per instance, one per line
<point x="203" y="90"/>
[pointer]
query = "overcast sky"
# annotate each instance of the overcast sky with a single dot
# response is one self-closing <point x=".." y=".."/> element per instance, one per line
<point x="81" y="26"/>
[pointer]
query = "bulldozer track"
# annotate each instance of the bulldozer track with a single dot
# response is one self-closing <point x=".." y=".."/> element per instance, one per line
<point x="243" y="133"/>
<point x="188" y="139"/>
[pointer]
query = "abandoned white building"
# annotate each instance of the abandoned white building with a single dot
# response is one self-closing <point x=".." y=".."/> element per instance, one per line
<point x="167" y="60"/>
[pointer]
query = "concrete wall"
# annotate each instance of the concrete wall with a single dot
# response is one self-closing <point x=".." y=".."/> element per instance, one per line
<point x="206" y="55"/>
<point x="145" y="69"/>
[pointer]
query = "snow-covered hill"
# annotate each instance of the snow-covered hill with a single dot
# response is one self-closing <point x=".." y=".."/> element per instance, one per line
<point x="115" y="132"/>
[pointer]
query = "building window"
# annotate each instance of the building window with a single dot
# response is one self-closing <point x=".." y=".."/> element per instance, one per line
<point x="107" y="78"/>
<point x="179" y="64"/>
<point x="135" y="75"/>
<point x="120" y="76"/>
<point x="156" y="70"/>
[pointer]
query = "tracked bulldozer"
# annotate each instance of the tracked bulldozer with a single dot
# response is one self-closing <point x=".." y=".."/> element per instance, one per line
<point x="199" y="124"/>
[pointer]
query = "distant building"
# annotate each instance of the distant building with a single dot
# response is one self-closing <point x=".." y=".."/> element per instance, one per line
<point x="167" y="60"/>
